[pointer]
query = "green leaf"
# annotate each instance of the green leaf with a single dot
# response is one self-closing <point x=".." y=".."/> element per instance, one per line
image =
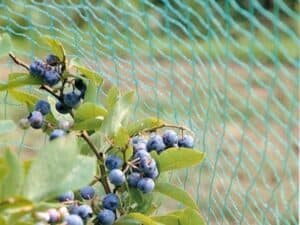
<point x="128" y="153"/>
<point x="176" y="193"/>
<point x="177" y="158"/>
<point x="113" y="121"/>
<point x="139" y="126"/>
<point x="6" y="126"/>
<point x="56" y="47"/>
<point x="142" y="202"/>
<point x="58" y="116"/>
<point x="10" y="185"/>
<point x="186" y="216"/>
<point x="121" y="138"/>
<point x="93" y="76"/>
<point x="24" y="97"/>
<point x="112" y="97"/>
<point x="5" y="44"/>
<point x="89" y="124"/>
<point x="2" y="220"/>
<point x="22" y="79"/>
<point x="52" y="166"/>
<point x="145" y="220"/>
<point x="91" y="93"/>
<point x="15" y="205"/>
<point x="88" y="111"/>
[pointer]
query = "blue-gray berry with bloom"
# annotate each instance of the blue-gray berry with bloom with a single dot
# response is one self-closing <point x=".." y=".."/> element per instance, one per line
<point x="65" y="197"/>
<point x="170" y="138"/>
<point x="153" y="174"/>
<point x="106" y="217"/>
<point x="57" y="133"/>
<point x="147" y="165"/>
<point x="36" y="119"/>
<point x="73" y="220"/>
<point x="87" y="192"/>
<point x="142" y="154"/>
<point x="155" y="143"/>
<point x="62" y="108"/>
<point x="133" y="179"/>
<point x="111" y="201"/>
<point x="71" y="99"/>
<point x="187" y="141"/>
<point x="37" y="68"/>
<point x="51" y="77"/>
<point x="84" y="211"/>
<point x="146" y="185"/>
<point x="52" y="60"/>
<point x="117" y="177"/>
<point x="113" y="162"/>
<point x="42" y="106"/>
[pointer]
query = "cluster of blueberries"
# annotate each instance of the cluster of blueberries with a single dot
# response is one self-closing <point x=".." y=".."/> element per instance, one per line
<point x="78" y="214"/>
<point x="51" y="74"/>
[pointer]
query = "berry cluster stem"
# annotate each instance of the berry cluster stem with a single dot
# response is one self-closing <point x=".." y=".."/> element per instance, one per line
<point x="100" y="159"/>
<point x="182" y="128"/>
<point x="18" y="62"/>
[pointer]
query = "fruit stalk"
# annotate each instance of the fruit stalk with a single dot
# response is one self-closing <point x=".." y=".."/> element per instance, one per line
<point x="18" y="62"/>
<point x="100" y="159"/>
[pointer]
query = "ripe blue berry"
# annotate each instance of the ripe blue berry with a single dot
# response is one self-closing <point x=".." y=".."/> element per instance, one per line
<point x="111" y="201"/>
<point x="37" y="68"/>
<point x="42" y="106"/>
<point x="106" y="217"/>
<point x="87" y="192"/>
<point x="52" y="60"/>
<point x="133" y="179"/>
<point x="155" y="143"/>
<point x="113" y="162"/>
<point x="142" y="154"/>
<point x="56" y="133"/>
<point x="116" y="177"/>
<point x="73" y="220"/>
<point x="138" y="139"/>
<point x="170" y="138"/>
<point x="84" y="211"/>
<point x="51" y="77"/>
<point x="147" y="165"/>
<point x="146" y="185"/>
<point x="71" y="99"/>
<point x="139" y="146"/>
<point x="68" y="196"/>
<point x="187" y="141"/>
<point x="36" y="119"/>
<point x="62" y="108"/>
<point x="81" y="86"/>
<point x="152" y="174"/>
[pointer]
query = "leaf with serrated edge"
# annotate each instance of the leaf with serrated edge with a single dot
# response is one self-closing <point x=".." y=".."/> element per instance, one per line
<point x="178" y="158"/>
<point x="176" y="193"/>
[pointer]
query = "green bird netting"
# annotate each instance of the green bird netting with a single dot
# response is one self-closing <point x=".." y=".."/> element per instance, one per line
<point x="227" y="69"/>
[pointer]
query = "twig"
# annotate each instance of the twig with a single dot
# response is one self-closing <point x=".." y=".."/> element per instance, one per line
<point x="50" y="91"/>
<point x="100" y="158"/>
<point x="182" y="128"/>
<point x="18" y="62"/>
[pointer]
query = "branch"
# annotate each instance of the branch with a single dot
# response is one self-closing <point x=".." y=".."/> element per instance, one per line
<point x="100" y="159"/>
<point x="18" y="62"/>
<point x="50" y="91"/>
<point x="182" y="128"/>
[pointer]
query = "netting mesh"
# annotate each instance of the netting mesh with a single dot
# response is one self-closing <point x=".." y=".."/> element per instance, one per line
<point x="227" y="69"/>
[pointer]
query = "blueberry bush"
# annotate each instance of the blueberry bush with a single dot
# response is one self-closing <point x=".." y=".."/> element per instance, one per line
<point x="98" y="166"/>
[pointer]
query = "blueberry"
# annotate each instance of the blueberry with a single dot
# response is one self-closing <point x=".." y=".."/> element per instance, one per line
<point x="111" y="201"/>
<point x="73" y="220"/>
<point x="170" y="138"/>
<point x="24" y="123"/>
<point x="62" y="108"/>
<point x="71" y="99"/>
<point x="36" y="119"/>
<point x="152" y="174"/>
<point x="156" y="143"/>
<point x="187" y="141"/>
<point x="142" y="154"/>
<point x="68" y="196"/>
<point x="139" y="146"/>
<point x="51" y="77"/>
<point x="56" y="133"/>
<point x="147" y="165"/>
<point x="106" y="217"/>
<point x="52" y="60"/>
<point x="116" y="177"/>
<point x="137" y="140"/>
<point x="42" y="106"/>
<point x="84" y="211"/>
<point x="81" y="86"/>
<point x="37" y="68"/>
<point x="146" y="185"/>
<point x="87" y="192"/>
<point x="54" y="216"/>
<point x="113" y="162"/>
<point x="133" y="179"/>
